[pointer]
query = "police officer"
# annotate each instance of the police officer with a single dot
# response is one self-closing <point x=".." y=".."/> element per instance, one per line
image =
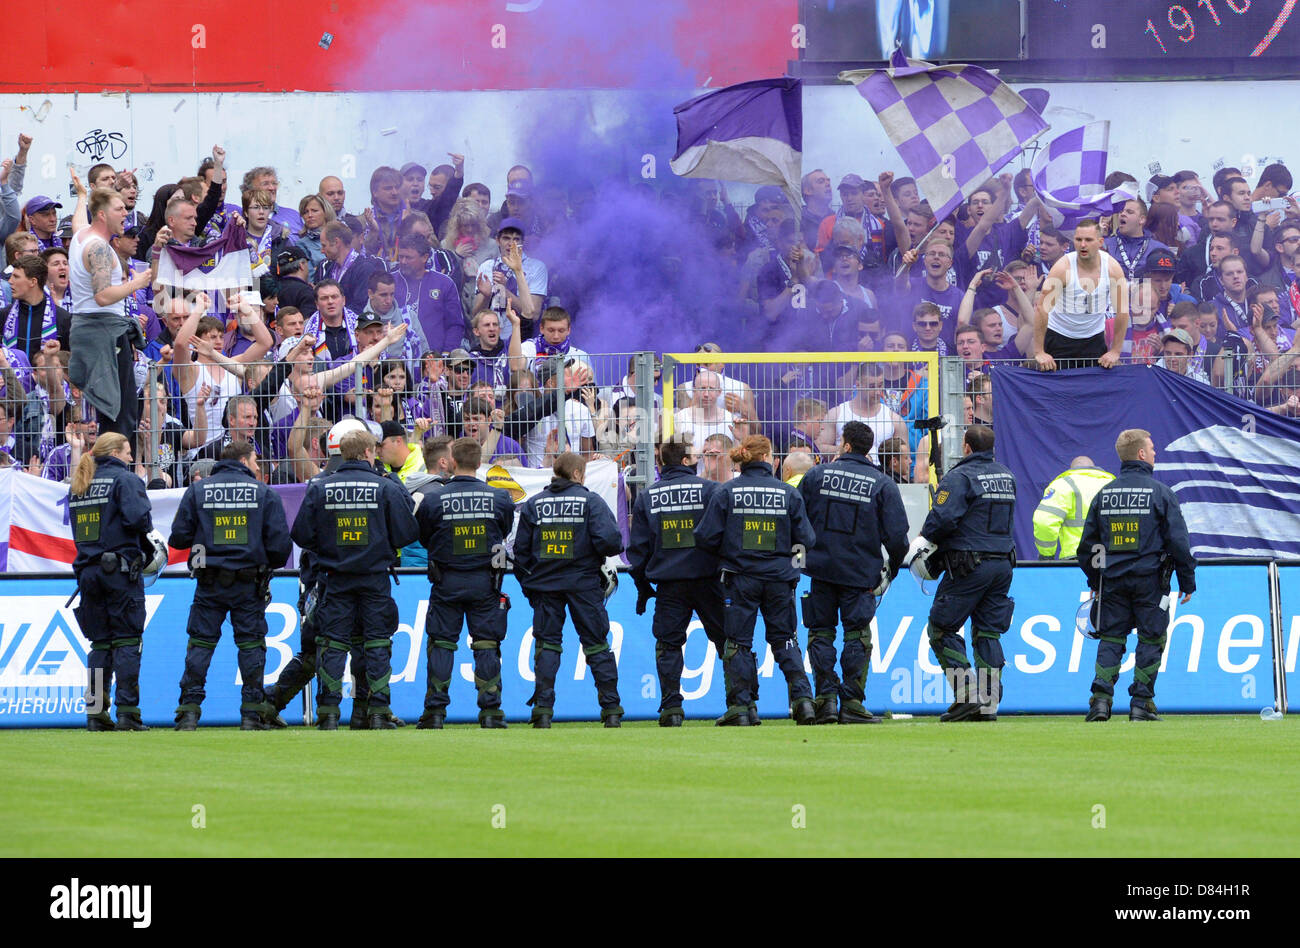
<point x="1058" y="520"/>
<point x="855" y="510"/>
<point x="754" y="523"/>
<point x="565" y="533"/>
<point x="235" y="528"/>
<point x="355" y="520"/>
<point x="663" y="550"/>
<point x="301" y="669"/>
<point x="970" y="525"/>
<point x="111" y="521"/>
<point x="1133" y="541"/>
<point x="463" y="525"/>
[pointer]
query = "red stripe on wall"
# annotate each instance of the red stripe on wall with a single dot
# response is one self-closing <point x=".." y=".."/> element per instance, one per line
<point x="455" y="45"/>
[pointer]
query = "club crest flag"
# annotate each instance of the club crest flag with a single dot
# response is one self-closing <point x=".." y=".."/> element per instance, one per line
<point x="219" y="266"/>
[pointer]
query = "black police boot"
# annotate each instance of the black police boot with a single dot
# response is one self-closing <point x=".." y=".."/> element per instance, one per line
<point x="397" y="722"/>
<point x="187" y="718"/>
<point x="127" y="721"/>
<point x="1142" y="709"/>
<point x="327" y="720"/>
<point x="491" y="720"/>
<point x="541" y="718"/>
<point x="100" y="722"/>
<point x="803" y="712"/>
<point x="753" y="713"/>
<point x="826" y="709"/>
<point x="853" y="712"/>
<point x="270" y="713"/>
<point x="431" y="721"/>
<point x="1098" y="708"/>
<point x="360" y="720"/>
<point x="961" y="711"/>
<point x="252" y="721"/>
<point x="671" y="717"/>
<point x="382" y="721"/>
<point x="737" y="717"/>
<point x="612" y="717"/>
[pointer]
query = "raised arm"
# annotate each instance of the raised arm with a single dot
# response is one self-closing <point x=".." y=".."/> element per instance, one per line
<point x="80" y="213"/>
<point x="262" y="340"/>
<point x="182" y="357"/>
<point x="896" y="218"/>
<point x="324" y="380"/>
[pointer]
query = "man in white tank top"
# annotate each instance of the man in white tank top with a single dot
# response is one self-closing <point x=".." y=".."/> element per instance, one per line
<point x="102" y="336"/>
<point x="868" y="407"/>
<point x="1080" y="291"/>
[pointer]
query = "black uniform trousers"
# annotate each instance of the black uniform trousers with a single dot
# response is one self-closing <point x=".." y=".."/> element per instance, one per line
<point x="980" y="596"/>
<point x="1129" y="602"/>
<point x="464" y="596"/>
<point x="301" y="669"/>
<point x="586" y="604"/>
<point x="675" y="601"/>
<point x="355" y="602"/>
<point x="111" y="616"/>
<point x="824" y="605"/>
<point x="243" y="602"/>
<point x="745" y="596"/>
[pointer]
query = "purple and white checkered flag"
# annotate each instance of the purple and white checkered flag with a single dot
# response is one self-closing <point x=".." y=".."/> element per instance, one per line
<point x="954" y="126"/>
<point x="1070" y="173"/>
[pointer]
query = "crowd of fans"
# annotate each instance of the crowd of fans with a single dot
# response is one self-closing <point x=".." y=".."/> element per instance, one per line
<point x="436" y="309"/>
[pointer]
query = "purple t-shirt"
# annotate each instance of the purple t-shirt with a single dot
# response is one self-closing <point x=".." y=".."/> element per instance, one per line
<point x="947" y="300"/>
<point x="1001" y="245"/>
<point x="507" y="447"/>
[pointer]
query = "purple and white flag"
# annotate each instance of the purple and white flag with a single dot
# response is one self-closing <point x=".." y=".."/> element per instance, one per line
<point x="1070" y="173"/>
<point x="750" y="132"/>
<point x="954" y="126"/>
<point x="217" y="266"/>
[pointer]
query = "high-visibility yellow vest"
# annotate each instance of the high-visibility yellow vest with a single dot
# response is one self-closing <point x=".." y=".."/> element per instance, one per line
<point x="1060" y="514"/>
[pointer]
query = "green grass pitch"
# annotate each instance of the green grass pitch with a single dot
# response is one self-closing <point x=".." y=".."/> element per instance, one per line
<point x="1025" y="786"/>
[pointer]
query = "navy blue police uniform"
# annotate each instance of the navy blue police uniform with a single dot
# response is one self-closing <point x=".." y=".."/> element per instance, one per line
<point x="971" y="521"/>
<point x="110" y="523"/>
<point x="463" y="525"/>
<point x="855" y="510"/>
<point x="1134" y="540"/>
<point x="663" y="550"/>
<point x="565" y="533"/>
<point x="239" y="525"/>
<point x="355" y="520"/>
<point x="752" y="524"/>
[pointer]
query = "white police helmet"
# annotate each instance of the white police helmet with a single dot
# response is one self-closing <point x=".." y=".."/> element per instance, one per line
<point x="157" y="560"/>
<point x="339" y="430"/>
<point x="609" y="580"/>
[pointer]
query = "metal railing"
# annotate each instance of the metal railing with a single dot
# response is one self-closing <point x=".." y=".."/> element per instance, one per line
<point x="801" y="401"/>
<point x="525" y="413"/>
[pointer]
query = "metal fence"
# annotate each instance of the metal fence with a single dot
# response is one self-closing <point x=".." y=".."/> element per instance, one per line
<point x="801" y="401"/>
<point x="524" y="411"/>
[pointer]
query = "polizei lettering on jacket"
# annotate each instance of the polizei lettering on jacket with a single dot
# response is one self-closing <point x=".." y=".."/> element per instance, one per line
<point x="350" y="495"/>
<point x="1126" y="501"/>
<point x="468" y="505"/>
<point x="848" y="485"/>
<point x="562" y="509"/>
<point x="224" y="496"/>
<point x="753" y="500"/>
<point x="996" y="486"/>
<point x="676" y="498"/>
